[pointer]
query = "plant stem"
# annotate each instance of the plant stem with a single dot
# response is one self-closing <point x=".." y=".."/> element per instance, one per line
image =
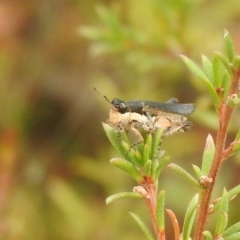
<point x="225" y="113"/>
<point x="151" y="202"/>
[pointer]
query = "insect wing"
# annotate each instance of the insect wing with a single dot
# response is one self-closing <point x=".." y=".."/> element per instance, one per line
<point x="177" y="108"/>
<point x="140" y="106"/>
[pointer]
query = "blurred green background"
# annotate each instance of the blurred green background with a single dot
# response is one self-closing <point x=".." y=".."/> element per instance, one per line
<point x="54" y="155"/>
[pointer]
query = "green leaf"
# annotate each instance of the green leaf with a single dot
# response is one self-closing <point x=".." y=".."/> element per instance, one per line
<point x="235" y="236"/>
<point x="230" y="194"/>
<point x="156" y="142"/>
<point x="135" y="157"/>
<point x="236" y="147"/>
<point x="224" y="61"/>
<point x="236" y="63"/>
<point x="116" y="141"/>
<point x="223" y="214"/>
<point x="160" y="210"/>
<point x="207" y="235"/>
<point x="222" y="219"/>
<point x="208" y="69"/>
<point x="189" y="217"/>
<point x="147" y="168"/>
<point x="201" y="75"/>
<point x="208" y="155"/>
<point x="147" y="148"/>
<point x="195" y="69"/>
<point x="142" y="225"/>
<point x="226" y="83"/>
<point x="197" y="170"/>
<point x="162" y="163"/>
<point x="123" y="195"/>
<point x="237" y="138"/>
<point x="229" y="46"/>
<point x="156" y="154"/>
<point x="138" y="156"/>
<point x="233" y="192"/>
<point x="126" y="146"/>
<point x="231" y="230"/>
<point x="184" y="174"/>
<point x="127" y="167"/>
<point x="217" y="71"/>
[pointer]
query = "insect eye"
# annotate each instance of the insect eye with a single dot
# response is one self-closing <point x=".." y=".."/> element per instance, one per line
<point x="116" y="103"/>
<point x="119" y="104"/>
<point x="122" y="106"/>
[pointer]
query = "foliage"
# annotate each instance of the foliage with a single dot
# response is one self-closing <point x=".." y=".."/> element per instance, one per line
<point x="54" y="176"/>
<point x="144" y="162"/>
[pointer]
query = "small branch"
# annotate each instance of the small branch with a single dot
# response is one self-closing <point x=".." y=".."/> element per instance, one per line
<point x="228" y="151"/>
<point x="151" y="202"/>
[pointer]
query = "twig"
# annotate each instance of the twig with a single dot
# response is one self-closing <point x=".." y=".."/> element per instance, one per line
<point x="151" y="202"/>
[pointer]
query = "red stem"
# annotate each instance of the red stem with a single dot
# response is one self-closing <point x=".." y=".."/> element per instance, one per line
<point x="152" y="204"/>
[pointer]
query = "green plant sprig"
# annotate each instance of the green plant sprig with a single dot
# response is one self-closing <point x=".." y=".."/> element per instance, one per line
<point x="144" y="162"/>
<point x="221" y="76"/>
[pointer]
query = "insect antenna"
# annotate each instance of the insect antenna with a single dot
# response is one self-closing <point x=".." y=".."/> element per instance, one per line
<point x="103" y="96"/>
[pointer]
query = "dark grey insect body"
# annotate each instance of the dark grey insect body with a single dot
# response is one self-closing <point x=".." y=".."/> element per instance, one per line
<point x="141" y="106"/>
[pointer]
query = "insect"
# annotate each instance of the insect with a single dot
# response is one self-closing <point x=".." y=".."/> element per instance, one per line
<point x="141" y="106"/>
<point x="148" y="117"/>
<point x="138" y="123"/>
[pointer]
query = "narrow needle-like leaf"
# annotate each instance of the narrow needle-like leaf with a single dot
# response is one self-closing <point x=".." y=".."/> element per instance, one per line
<point x="208" y="155"/>
<point x="127" y="167"/>
<point x="189" y="217"/>
<point x="163" y="162"/>
<point x="147" y="148"/>
<point x="197" y="170"/>
<point x="207" y="66"/>
<point x="156" y="140"/>
<point x="235" y="236"/>
<point x="122" y="195"/>
<point x="160" y="210"/>
<point x="229" y="46"/>
<point x="232" y="230"/>
<point x="207" y="235"/>
<point x="223" y="214"/>
<point x="175" y="224"/>
<point x="115" y="141"/>
<point x="142" y="225"/>
<point x="201" y="75"/>
<point x="184" y="174"/>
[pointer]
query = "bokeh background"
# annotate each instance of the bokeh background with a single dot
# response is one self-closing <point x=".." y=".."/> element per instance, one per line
<point x="54" y="156"/>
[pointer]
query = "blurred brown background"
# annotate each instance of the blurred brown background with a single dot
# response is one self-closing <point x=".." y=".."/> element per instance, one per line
<point x="54" y="155"/>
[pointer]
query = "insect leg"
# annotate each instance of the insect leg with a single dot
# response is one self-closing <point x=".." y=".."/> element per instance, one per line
<point x="172" y="100"/>
<point x="186" y="126"/>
